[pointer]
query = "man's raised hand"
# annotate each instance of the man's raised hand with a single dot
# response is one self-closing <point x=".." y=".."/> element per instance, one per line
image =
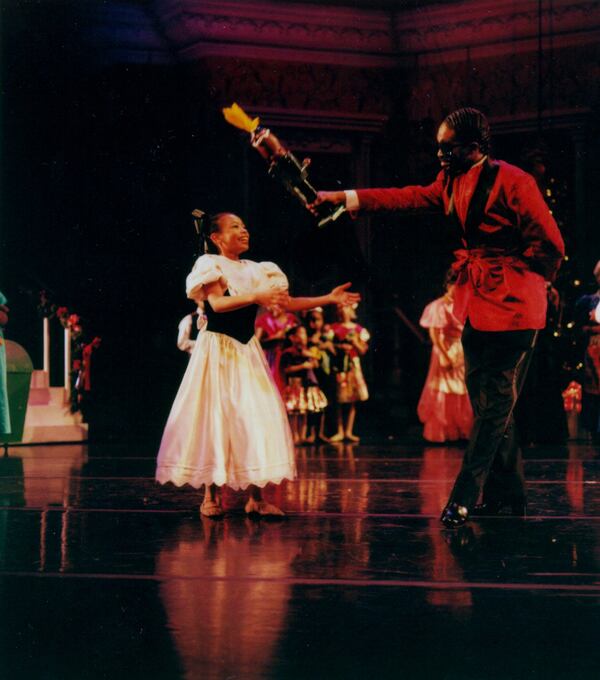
<point x="333" y="197"/>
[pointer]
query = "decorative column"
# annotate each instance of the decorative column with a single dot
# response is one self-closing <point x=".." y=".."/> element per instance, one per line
<point x="46" y="332"/>
<point x="67" y="378"/>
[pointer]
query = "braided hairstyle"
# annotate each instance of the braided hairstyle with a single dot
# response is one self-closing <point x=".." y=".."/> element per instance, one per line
<point x="470" y="125"/>
<point x="207" y="225"/>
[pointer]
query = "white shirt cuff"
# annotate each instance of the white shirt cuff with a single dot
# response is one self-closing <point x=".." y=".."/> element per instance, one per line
<point x="352" y="202"/>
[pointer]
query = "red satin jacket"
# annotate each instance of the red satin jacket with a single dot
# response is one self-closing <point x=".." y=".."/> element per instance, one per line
<point x="506" y="259"/>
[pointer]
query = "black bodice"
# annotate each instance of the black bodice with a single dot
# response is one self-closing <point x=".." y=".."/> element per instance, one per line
<point x="238" y="324"/>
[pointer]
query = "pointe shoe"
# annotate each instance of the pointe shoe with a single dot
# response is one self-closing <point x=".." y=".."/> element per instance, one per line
<point x="454" y="515"/>
<point x="349" y="437"/>
<point x="338" y="437"/>
<point x="262" y="508"/>
<point x="211" y="509"/>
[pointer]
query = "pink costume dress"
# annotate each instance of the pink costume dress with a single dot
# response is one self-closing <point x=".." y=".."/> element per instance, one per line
<point x="228" y="424"/>
<point x="270" y="327"/>
<point x="444" y="407"/>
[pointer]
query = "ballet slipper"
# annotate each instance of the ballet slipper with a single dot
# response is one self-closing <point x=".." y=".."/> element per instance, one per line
<point x="351" y="437"/>
<point x="211" y="509"/>
<point x="262" y="508"/>
<point x="339" y="437"/>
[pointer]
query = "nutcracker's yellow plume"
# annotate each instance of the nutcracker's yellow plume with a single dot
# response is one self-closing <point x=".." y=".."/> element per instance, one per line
<point x="235" y="115"/>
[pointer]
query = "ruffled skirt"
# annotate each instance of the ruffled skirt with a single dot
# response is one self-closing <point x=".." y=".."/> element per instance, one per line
<point x="350" y="384"/>
<point x="300" y="400"/>
<point x="228" y="424"/>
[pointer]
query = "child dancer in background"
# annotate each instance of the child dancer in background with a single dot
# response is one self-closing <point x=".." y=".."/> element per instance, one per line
<point x="320" y="340"/>
<point x="228" y="424"/>
<point x="351" y="341"/>
<point x="188" y="329"/>
<point x="271" y="329"/>
<point x="444" y="407"/>
<point x="302" y="395"/>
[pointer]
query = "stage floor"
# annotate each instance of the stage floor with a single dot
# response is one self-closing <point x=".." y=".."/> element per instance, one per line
<point x="105" y="574"/>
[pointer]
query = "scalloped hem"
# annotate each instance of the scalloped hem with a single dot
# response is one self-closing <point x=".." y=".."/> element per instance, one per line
<point x="196" y="481"/>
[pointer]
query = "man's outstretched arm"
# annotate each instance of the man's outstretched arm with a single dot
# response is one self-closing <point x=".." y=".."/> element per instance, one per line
<point x="406" y="198"/>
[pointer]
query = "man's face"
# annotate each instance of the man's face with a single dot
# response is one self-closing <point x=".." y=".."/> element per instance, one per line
<point x="455" y="157"/>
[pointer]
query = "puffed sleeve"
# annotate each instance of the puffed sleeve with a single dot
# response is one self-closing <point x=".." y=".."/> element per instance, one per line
<point x="276" y="278"/>
<point x="434" y="315"/>
<point x="206" y="270"/>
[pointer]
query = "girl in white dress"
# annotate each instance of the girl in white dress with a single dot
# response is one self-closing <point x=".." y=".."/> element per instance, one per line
<point x="228" y="425"/>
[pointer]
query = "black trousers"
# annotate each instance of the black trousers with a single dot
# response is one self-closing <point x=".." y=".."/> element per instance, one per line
<point x="496" y="364"/>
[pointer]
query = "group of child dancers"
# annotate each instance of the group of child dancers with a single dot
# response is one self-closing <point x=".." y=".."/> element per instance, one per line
<point x="316" y="366"/>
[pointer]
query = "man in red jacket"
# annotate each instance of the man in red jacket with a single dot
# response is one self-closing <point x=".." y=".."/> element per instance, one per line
<point x="512" y="246"/>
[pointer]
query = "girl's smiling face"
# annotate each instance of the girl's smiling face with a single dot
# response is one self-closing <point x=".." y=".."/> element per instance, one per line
<point x="232" y="238"/>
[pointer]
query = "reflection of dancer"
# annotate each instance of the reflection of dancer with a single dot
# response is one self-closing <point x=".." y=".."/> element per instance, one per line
<point x="511" y="243"/>
<point x="228" y="424"/>
<point x="4" y="413"/>
<point x="211" y="602"/>
<point x="437" y="468"/>
<point x="444" y="407"/>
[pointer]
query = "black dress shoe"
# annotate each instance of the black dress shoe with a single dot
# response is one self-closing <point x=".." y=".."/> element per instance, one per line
<point x="454" y="515"/>
<point x="516" y="508"/>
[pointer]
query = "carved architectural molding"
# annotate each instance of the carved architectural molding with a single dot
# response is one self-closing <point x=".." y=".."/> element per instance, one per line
<point x="272" y="85"/>
<point x="321" y="120"/>
<point x="506" y="86"/>
<point x="494" y="27"/>
<point x="188" y="30"/>
<point x="275" y="30"/>
<point x="426" y="61"/>
<point x="311" y="131"/>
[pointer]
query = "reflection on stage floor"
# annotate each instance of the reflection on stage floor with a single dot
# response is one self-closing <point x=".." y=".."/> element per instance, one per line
<point x="105" y="574"/>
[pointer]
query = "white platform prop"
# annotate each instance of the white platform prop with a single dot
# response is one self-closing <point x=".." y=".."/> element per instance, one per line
<point x="49" y="417"/>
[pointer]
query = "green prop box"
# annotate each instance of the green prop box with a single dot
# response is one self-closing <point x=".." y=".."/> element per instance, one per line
<point x="19" y="368"/>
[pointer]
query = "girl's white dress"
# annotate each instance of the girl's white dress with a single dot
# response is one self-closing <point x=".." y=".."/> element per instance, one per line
<point x="228" y="424"/>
